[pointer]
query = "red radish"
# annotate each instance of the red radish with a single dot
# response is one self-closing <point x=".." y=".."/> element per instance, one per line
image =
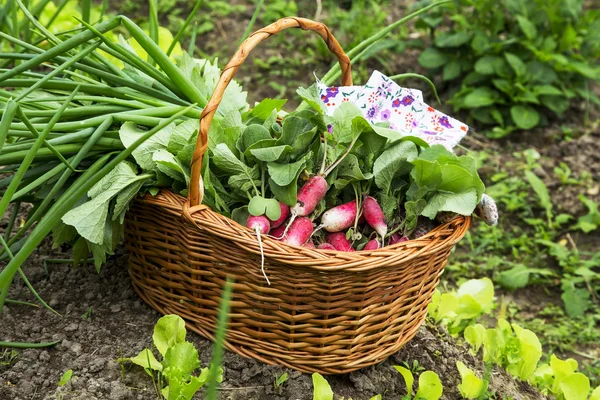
<point x="309" y="245"/>
<point x="339" y="218"/>
<point x="310" y="195"/>
<point x="259" y="224"/>
<point x="278" y="232"/>
<point x="396" y="238"/>
<point x="299" y="232"/>
<point x="445" y="216"/>
<point x="362" y="219"/>
<point x="285" y="212"/>
<point x="422" y="228"/>
<point x="339" y="241"/>
<point x="372" y="245"/>
<point x="325" y="246"/>
<point x="374" y="215"/>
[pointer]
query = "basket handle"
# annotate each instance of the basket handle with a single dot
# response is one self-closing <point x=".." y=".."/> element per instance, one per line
<point x="196" y="192"/>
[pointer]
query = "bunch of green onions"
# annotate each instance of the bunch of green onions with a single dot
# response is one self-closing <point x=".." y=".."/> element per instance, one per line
<point x="62" y="101"/>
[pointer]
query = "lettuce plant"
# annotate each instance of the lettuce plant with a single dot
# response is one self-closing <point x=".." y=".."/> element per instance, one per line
<point x="457" y="309"/>
<point x="470" y="387"/>
<point x="173" y="376"/>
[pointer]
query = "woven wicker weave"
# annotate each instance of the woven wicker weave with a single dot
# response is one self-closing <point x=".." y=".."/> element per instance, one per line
<point x="325" y="311"/>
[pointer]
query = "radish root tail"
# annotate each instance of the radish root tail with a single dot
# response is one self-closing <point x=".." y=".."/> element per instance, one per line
<point x="262" y="256"/>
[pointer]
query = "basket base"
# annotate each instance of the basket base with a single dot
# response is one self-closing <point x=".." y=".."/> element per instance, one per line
<point x="329" y="313"/>
<point x="300" y="361"/>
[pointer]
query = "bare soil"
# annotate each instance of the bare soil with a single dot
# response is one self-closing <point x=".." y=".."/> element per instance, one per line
<point x="104" y="319"/>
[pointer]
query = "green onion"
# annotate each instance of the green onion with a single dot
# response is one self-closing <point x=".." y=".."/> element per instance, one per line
<point x="153" y="24"/>
<point x="69" y="199"/>
<point x="23" y="345"/>
<point x="7" y="118"/>
<point x="165" y="63"/>
<point x="60" y="49"/>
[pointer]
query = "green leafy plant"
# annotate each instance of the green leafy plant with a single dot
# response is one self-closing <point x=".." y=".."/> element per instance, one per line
<point x="281" y="380"/>
<point x="458" y="309"/>
<point x="512" y="63"/>
<point x="8" y="357"/>
<point x="173" y="376"/>
<point x="64" y="379"/>
<point x="321" y="388"/>
<point x="429" y="386"/>
<point x="414" y="367"/>
<point x="517" y="349"/>
<point x="560" y="378"/>
<point x="590" y="221"/>
<point x="470" y="387"/>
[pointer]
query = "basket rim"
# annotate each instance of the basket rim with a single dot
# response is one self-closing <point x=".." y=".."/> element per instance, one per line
<point x="435" y="241"/>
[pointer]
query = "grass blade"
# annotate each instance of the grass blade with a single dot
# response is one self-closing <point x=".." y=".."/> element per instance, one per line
<point x="192" y="44"/>
<point x="183" y="27"/>
<point x="217" y="354"/>
<point x="418" y="76"/>
<point x="252" y="21"/>
<point x="363" y="46"/>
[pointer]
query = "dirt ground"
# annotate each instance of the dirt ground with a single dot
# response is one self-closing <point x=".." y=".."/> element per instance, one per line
<point x="119" y="324"/>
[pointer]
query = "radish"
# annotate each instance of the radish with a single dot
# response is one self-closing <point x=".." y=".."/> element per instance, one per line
<point x="361" y="219"/>
<point x="260" y="224"/>
<point x="299" y="232"/>
<point x="396" y="238"/>
<point x="372" y="245"/>
<point x="278" y="232"/>
<point x="339" y="218"/>
<point x="374" y="215"/>
<point x="309" y="196"/>
<point x="445" y="216"/>
<point x="339" y="241"/>
<point x="325" y="246"/>
<point x="309" y="245"/>
<point x="421" y="229"/>
<point x="285" y="212"/>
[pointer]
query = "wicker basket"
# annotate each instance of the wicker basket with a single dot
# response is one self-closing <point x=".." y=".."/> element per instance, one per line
<point x="325" y="311"/>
